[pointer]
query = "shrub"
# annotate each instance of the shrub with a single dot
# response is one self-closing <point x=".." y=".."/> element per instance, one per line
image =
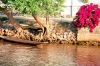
<point x="3" y="18"/>
<point x="87" y="16"/>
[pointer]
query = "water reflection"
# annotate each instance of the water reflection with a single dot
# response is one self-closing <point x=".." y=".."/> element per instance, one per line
<point x="88" y="56"/>
<point x="48" y="55"/>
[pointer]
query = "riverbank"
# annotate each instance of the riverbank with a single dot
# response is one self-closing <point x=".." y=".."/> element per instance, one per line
<point x="66" y="32"/>
<point x="63" y="32"/>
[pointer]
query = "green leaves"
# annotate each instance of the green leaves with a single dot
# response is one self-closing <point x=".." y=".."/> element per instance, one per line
<point x="24" y="11"/>
<point x="37" y="6"/>
<point x="52" y="6"/>
<point x="4" y="1"/>
<point x="1" y="9"/>
<point x="13" y="0"/>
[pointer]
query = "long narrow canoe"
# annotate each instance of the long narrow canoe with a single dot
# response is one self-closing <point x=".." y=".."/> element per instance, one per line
<point x="21" y="40"/>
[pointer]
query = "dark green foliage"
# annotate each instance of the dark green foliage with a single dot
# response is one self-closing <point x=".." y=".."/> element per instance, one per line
<point x="4" y="1"/>
<point x="3" y="18"/>
<point x="13" y="0"/>
<point x="1" y="9"/>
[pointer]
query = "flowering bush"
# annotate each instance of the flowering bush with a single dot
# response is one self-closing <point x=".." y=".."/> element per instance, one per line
<point x="87" y="16"/>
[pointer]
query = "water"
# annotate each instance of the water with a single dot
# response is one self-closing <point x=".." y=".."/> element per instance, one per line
<point x="13" y="54"/>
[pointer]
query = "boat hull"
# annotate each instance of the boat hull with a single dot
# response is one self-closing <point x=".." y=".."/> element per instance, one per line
<point x="21" y="40"/>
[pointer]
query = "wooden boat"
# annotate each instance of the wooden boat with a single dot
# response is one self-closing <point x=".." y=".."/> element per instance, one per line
<point x="21" y="40"/>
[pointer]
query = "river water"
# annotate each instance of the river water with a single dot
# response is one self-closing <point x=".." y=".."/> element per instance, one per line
<point x="13" y="54"/>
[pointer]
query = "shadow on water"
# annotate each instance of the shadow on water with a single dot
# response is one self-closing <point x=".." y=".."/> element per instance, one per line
<point x="13" y="54"/>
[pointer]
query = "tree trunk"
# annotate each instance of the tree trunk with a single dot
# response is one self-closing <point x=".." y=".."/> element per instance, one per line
<point x="16" y="25"/>
<point x="48" y="25"/>
<point x="40" y="22"/>
<point x="47" y="18"/>
<point x="37" y="18"/>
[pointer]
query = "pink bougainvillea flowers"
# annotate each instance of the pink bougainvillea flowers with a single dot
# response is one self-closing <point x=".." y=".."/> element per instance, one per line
<point x="87" y="16"/>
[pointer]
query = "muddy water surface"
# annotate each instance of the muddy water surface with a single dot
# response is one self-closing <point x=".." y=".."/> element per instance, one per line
<point x="12" y="54"/>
